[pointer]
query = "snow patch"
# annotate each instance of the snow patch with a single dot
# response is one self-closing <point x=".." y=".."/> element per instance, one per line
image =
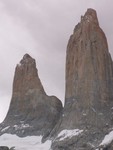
<point x="19" y="64"/>
<point x="26" y="143"/>
<point x="68" y="134"/>
<point x="22" y="126"/>
<point x="107" y="139"/>
<point x="4" y="129"/>
<point x="21" y="121"/>
<point x="87" y="18"/>
<point x="25" y="125"/>
<point x="84" y="114"/>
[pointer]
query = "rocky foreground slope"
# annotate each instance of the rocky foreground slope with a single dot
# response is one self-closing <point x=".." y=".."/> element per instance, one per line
<point x="86" y="122"/>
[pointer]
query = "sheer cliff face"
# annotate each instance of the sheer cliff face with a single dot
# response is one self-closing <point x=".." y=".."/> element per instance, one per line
<point x="88" y="63"/>
<point x="88" y="111"/>
<point x="31" y="110"/>
<point x="89" y="85"/>
<point x="26" y="77"/>
<point x="88" y="60"/>
<point x="89" y="72"/>
<point x="26" y="86"/>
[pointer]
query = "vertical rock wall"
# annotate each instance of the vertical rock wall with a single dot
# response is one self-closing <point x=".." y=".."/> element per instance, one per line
<point x="31" y="111"/>
<point x="89" y="85"/>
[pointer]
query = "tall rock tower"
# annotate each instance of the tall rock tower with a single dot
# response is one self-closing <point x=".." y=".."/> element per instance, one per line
<point x="31" y="111"/>
<point x="88" y="106"/>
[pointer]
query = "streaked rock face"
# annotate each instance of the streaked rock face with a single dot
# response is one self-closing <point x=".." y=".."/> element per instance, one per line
<point x="31" y="111"/>
<point x="88" y="111"/>
<point x="88" y="61"/>
<point x="89" y="71"/>
<point x="89" y="85"/>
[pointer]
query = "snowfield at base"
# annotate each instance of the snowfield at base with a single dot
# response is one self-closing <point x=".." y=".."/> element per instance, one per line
<point x="68" y="134"/>
<point x="107" y="139"/>
<point x="26" y="143"/>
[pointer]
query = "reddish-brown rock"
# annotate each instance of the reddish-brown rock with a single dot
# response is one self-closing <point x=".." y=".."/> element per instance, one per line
<point x="31" y="111"/>
<point x="89" y="86"/>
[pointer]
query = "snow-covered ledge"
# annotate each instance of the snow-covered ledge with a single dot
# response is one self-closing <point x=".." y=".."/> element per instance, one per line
<point x="106" y="141"/>
<point x="68" y="134"/>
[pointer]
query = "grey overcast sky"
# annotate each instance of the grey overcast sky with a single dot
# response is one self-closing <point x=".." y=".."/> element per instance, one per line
<point x="42" y="29"/>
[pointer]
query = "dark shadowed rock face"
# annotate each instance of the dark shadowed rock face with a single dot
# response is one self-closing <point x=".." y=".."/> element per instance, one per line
<point x="4" y="148"/>
<point x="89" y="85"/>
<point x="31" y="111"/>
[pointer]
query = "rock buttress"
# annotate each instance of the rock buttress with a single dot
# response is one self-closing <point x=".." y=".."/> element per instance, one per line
<point x="31" y="111"/>
<point x="89" y="85"/>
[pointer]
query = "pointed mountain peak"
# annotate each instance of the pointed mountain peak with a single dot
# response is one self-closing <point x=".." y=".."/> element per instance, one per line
<point x="26" y="60"/>
<point x="88" y="21"/>
<point x="91" y="12"/>
<point x="90" y="17"/>
<point x="89" y="84"/>
<point x="27" y="56"/>
<point x="31" y="111"/>
<point x="27" y="73"/>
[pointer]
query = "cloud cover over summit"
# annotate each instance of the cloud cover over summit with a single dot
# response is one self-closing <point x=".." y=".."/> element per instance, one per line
<point x="42" y="29"/>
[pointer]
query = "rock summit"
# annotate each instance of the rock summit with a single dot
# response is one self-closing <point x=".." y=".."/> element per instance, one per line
<point x="31" y="111"/>
<point x="89" y="84"/>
